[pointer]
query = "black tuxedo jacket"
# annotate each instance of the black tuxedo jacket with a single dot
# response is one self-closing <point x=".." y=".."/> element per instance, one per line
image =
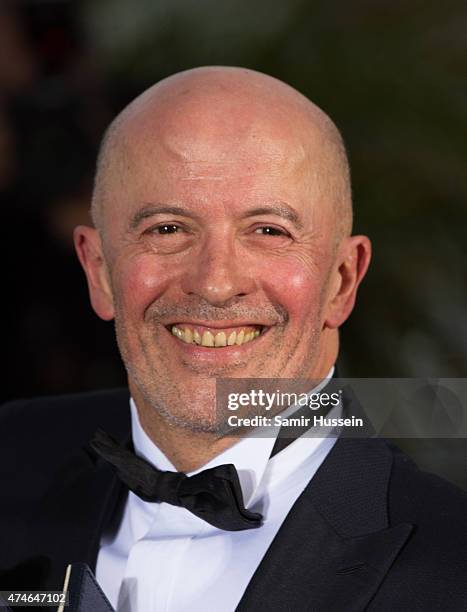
<point x="369" y="532"/>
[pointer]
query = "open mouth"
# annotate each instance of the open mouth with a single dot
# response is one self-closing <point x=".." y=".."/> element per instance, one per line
<point x="216" y="338"/>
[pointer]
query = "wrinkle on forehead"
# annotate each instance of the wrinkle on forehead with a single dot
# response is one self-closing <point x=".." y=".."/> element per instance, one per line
<point x="222" y="160"/>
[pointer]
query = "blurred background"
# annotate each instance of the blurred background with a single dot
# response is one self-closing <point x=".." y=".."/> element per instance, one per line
<point x="393" y="76"/>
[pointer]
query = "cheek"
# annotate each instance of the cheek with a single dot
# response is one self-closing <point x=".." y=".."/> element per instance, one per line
<point x="138" y="281"/>
<point x="297" y="286"/>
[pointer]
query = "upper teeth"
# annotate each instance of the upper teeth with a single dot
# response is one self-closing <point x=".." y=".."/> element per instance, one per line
<point x="221" y="338"/>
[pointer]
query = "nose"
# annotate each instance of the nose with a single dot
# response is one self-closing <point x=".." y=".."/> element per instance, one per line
<point x="216" y="274"/>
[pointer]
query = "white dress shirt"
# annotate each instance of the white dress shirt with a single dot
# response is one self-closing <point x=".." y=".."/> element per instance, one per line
<point x="164" y="558"/>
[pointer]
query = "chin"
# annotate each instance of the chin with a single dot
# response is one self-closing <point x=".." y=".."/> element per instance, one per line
<point x="196" y="422"/>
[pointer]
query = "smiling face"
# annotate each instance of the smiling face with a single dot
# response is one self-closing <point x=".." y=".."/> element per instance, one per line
<point x="221" y="253"/>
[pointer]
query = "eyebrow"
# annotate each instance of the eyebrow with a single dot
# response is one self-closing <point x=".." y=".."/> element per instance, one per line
<point x="280" y="210"/>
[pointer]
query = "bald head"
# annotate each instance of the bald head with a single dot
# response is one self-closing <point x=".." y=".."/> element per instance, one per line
<point x="209" y="114"/>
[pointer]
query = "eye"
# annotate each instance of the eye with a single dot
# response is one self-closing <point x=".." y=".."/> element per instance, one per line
<point x="169" y="237"/>
<point x="270" y="230"/>
<point x="166" y="228"/>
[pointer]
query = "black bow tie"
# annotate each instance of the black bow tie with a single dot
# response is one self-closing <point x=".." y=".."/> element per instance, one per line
<point x="213" y="495"/>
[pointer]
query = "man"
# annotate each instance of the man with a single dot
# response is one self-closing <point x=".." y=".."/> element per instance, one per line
<point x="222" y="247"/>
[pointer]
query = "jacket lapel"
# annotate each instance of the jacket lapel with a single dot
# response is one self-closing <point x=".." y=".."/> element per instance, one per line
<point x="71" y="518"/>
<point x="335" y="546"/>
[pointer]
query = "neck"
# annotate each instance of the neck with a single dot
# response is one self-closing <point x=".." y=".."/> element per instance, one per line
<point x="186" y="450"/>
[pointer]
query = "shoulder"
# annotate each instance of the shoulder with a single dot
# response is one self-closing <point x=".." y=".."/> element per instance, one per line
<point x="72" y="415"/>
<point x="438" y="512"/>
<point x="426" y="497"/>
<point x="36" y="435"/>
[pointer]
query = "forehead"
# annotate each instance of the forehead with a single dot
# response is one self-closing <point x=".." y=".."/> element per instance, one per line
<point x="207" y="134"/>
<point x="213" y="149"/>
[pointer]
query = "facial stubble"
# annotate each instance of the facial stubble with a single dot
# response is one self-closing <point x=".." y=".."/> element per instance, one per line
<point x="196" y="411"/>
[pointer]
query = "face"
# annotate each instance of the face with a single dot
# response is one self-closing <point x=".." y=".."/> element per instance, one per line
<point x="219" y="261"/>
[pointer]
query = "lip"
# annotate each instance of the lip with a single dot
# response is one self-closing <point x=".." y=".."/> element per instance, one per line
<point x="219" y="325"/>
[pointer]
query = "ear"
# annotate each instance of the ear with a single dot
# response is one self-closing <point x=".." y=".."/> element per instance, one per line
<point x="88" y="246"/>
<point x="351" y="265"/>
